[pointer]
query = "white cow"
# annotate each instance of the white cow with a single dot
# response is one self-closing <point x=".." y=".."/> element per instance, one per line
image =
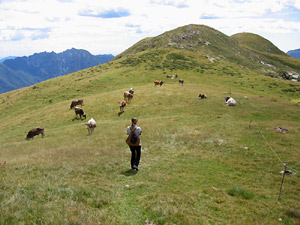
<point x="230" y="101"/>
<point x="91" y="124"/>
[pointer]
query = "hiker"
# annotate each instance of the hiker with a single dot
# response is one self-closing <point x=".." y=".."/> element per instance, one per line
<point x="134" y="142"/>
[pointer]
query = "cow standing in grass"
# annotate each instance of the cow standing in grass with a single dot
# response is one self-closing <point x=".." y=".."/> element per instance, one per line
<point x="128" y="96"/>
<point x="122" y="105"/>
<point x="91" y="124"/>
<point x="181" y="81"/>
<point x="202" y="96"/>
<point x="35" y="131"/>
<point x="230" y="101"/>
<point x="76" y="102"/>
<point x="80" y="112"/>
<point x="158" y="83"/>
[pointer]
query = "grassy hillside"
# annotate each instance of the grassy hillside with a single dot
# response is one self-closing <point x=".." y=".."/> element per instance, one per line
<point x="244" y="49"/>
<point x="256" y="42"/>
<point x="194" y="167"/>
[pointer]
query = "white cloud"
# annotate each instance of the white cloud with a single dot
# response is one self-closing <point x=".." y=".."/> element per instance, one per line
<point x="173" y="3"/>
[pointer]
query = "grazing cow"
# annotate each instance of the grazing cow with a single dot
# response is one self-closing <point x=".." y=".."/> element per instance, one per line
<point x="80" y="112"/>
<point x="128" y="96"/>
<point x="158" y="83"/>
<point x="202" y="96"/>
<point x="230" y="101"/>
<point x="131" y="91"/>
<point x="172" y="76"/>
<point x="35" y="131"/>
<point x="122" y="105"/>
<point x="76" y="102"/>
<point x="181" y="81"/>
<point x="282" y="130"/>
<point x="91" y="124"/>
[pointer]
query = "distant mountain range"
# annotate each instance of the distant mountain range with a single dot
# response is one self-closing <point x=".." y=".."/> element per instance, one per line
<point x="294" y="53"/>
<point x="8" y="57"/>
<point x="17" y="72"/>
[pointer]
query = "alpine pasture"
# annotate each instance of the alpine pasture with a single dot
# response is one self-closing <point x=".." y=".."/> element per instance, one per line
<point x="202" y="162"/>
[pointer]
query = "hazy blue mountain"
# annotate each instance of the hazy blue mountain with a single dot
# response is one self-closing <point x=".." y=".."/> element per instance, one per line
<point x="105" y="58"/>
<point x="10" y="79"/>
<point x="294" y="53"/>
<point x="23" y="71"/>
<point x="8" y="57"/>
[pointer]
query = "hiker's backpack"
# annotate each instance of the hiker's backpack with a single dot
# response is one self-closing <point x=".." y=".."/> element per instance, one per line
<point x="132" y="139"/>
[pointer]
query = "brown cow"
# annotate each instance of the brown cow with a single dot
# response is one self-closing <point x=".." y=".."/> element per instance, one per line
<point x="35" y="131"/>
<point x="76" y="102"/>
<point x="158" y="83"/>
<point x="202" y="96"/>
<point x="80" y="112"/>
<point x="122" y="105"/>
<point x="181" y="81"/>
<point x="128" y="96"/>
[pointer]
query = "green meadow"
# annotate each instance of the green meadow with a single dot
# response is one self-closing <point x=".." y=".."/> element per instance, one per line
<point x="195" y="167"/>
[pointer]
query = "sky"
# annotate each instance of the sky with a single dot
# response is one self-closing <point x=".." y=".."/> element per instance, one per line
<point x="112" y="26"/>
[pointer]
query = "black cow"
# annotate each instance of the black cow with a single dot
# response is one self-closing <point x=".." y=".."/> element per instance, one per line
<point x="35" y="131"/>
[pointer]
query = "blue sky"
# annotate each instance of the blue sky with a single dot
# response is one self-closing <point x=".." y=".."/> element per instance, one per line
<point x="102" y="27"/>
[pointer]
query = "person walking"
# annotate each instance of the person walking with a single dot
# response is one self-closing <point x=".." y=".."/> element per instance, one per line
<point x="134" y="142"/>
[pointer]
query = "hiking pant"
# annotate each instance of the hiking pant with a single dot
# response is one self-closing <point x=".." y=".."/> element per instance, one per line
<point x="135" y="155"/>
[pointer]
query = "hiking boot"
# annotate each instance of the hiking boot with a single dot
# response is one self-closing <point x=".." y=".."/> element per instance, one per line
<point x="136" y="168"/>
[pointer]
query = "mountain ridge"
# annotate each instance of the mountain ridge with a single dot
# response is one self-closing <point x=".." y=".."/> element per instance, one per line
<point x="28" y="70"/>
<point x="245" y="49"/>
<point x="8" y="57"/>
<point x="294" y="53"/>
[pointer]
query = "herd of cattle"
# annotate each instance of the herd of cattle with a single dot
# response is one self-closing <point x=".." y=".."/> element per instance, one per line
<point x="128" y="95"/>
<point x="160" y="82"/>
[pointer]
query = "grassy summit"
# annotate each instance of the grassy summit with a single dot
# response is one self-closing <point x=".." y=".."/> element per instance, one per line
<point x="194" y="165"/>
<point x="256" y="42"/>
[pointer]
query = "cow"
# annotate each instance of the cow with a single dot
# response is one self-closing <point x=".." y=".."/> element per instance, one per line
<point x="131" y="91"/>
<point x="229" y="101"/>
<point x="282" y="130"/>
<point x="35" y="131"/>
<point x="80" y="112"/>
<point x="128" y="96"/>
<point x="158" y="83"/>
<point x="181" y="81"/>
<point x="202" y="96"/>
<point x="122" y="105"/>
<point x="76" y="102"/>
<point x="172" y="76"/>
<point x="91" y="124"/>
